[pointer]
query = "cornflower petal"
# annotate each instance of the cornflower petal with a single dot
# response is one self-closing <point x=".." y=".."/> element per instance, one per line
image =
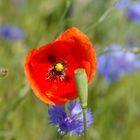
<point x="133" y="12"/>
<point x="70" y="122"/>
<point x="11" y="33"/>
<point x="120" y="4"/>
<point x="112" y="65"/>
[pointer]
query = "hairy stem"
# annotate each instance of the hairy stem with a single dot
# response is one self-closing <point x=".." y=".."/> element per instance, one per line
<point x="59" y="136"/>
<point x="85" y="125"/>
<point x="82" y="86"/>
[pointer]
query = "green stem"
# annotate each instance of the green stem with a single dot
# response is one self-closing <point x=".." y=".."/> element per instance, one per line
<point x="16" y="102"/>
<point x="82" y="87"/>
<point x="85" y="125"/>
<point x="59" y="137"/>
<point x="108" y="50"/>
<point x="100" y="20"/>
<point x="65" y="107"/>
<point x="64" y="16"/>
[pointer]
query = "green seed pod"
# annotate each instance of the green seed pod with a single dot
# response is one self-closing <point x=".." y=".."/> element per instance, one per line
<point x="82" y="86"/>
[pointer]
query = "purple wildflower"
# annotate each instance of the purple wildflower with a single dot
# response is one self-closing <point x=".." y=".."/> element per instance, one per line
<point x="133" y="12"/>
<point x="11" y="33"/>
<point x="70" y="121"/>
<point x="120" y="4"/>
<point x="116" y="63"/>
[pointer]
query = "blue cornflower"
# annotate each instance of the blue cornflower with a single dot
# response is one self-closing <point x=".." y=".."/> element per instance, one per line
<point x="133" y="12"/>
<point x="120" y="4"/>
<point x="11" y="33"/>
<point x="112" y="65"/>
<point x="70" y="121"/>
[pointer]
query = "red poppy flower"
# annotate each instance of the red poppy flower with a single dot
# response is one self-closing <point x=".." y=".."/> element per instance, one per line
<point x="50" y="68"/>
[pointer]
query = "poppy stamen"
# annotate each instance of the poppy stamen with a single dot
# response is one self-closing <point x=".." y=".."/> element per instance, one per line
<point x="57" y="72"/>
<point x="59" y="67"/>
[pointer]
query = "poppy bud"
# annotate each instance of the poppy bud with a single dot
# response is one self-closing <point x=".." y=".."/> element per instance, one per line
<point x="82" y="86"/>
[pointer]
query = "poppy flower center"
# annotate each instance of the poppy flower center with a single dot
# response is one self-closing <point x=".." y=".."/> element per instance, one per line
<point x="59" y="67"/>
<point x="57" y="72"/>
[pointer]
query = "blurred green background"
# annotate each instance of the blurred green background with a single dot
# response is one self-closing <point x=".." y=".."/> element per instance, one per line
<point x="115" y="106"/>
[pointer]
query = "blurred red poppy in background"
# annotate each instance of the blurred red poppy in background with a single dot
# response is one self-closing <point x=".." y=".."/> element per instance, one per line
<point x="50" y="68"/>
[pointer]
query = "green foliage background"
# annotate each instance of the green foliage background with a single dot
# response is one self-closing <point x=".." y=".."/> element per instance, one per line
<point x="115" y="106"/>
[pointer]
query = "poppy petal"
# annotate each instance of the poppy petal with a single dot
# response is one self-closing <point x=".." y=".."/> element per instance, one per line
<point x="73" y="34"/>
<point x="72" y="50"/>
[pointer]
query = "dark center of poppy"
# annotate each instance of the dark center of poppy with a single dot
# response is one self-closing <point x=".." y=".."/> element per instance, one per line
<point x="57" y="71"/>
